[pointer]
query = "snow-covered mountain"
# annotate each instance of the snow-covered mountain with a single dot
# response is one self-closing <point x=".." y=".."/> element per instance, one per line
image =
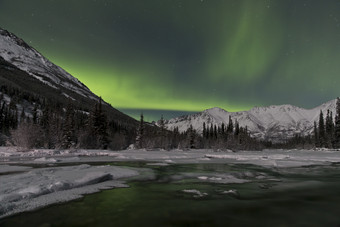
<point x="15" y="51"/>
<point x="24" y="69"/>
<point x="273" y="122"/>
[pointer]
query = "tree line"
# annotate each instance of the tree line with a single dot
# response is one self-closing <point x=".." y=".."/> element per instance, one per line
<point x="32" y="121"/>
<point x="327" y="131"/>
<point x="231" y="136"/>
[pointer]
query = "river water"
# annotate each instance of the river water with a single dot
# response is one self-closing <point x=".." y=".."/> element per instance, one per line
<point x="205" y="195"/>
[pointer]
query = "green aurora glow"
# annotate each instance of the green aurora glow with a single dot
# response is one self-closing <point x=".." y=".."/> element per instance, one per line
<point x="190" y="55"/>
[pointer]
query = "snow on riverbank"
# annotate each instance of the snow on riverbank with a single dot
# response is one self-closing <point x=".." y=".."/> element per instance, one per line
<point x="281" y="158"/>
<point x="43" y="186"/>
<point x="269" y="158"/>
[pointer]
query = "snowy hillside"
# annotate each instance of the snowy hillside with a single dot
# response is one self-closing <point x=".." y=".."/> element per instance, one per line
<point x="272" y="122"/>
<point x="15" y="51"/>
<point x="33" y="83"/>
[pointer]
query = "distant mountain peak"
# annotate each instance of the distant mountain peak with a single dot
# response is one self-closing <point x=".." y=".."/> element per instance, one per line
<point x="215" y="110"/>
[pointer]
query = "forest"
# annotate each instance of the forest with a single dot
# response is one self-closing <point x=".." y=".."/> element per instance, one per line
<point x="32" y="121"/>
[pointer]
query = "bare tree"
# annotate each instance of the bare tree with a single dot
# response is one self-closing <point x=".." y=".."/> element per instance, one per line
<point x="27" y="135"/>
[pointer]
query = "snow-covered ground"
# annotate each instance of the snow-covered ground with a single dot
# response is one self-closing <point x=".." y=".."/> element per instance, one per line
<point x="24" y="188"/>
<point x="270" y="158"/>
<point x="35" y="178"/>
<point x="42" y="186"/>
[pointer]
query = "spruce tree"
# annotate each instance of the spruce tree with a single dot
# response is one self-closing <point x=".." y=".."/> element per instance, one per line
<point x="237" y="128"/>
<point x="140" y="133"/>
<point x="45" y="124"/>
<point x="162" y="132"/>
<point x="329" y="129"/>
<point x="337" y="125"/>
<point x="2" y="116"/>
<point x="175" y="138"/>
<point x="35" y="114"/>
<point x="102" y="123"/>
<point x="322" y="134"/>
<point x="191" y="137"/>
<point x="96" y="135"/>
<point x="204" y="131"/>
<point x="211" y="131"/>
<point x="68" y="136"/>
<point x="316" y="136"/>
<point x="44" y="119"/>
<point x="222" y="128"/>
<point x="230" y="127"/>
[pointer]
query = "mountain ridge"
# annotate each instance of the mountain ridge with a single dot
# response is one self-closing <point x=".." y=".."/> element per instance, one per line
<point x="274" y="122"/>
<point x="17" y="52"/>
<point x="16" y="55"/>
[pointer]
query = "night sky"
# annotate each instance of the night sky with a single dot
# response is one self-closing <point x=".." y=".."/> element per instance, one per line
<point x="170" y="56"/>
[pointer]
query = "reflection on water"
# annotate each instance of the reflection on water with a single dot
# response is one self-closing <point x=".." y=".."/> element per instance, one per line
<point x="200" y="195"/>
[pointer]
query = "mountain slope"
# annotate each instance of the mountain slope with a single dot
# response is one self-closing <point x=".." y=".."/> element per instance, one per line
<point x="272" y="123"/>
<point x="24" y="68"/>
<point x="15" y="51"/>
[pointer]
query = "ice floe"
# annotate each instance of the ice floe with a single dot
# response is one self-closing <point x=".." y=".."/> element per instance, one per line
<point x="196" y="193"/>
<point x="43" y="186"/>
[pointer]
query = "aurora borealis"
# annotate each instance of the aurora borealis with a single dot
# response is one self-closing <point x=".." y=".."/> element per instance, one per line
<point x="189" y="55"/>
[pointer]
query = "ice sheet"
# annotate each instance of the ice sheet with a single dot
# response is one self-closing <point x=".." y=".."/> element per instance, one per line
<point x="42" y="186"/>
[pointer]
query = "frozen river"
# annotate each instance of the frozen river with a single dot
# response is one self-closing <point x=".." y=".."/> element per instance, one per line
<point x="167" y="188"/>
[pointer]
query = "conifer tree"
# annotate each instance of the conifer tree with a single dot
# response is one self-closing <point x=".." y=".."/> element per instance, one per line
<point x="222" y="128"/>
<point x="68" y="137"/>
<point x="35" y="114"/>
<point x="2" y="111"/>
<point x="44" y="122"/>
<point x="211" y="131"/>
<point x="101" y="122"/>
<point x="96" y="135"/>
<point x="191" y="137"/>
<point x="140" y="133"/>
<point x="337" y="125"/>
<point x="44" y="119"/>
<point x="316" y="135"/>
<point x="237" y="128"/>
<point x="329" y="129"/>
<point x="175" y="138"/>
<point x="204" y="131"/>
<point x="322" y="134"/>
<point x="230" y="127"/>
<point x="162" y="132"/>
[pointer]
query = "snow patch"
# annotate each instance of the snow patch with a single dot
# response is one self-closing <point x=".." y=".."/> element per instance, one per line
<point x="40" y="187"/>
<point x="196" y="193"/>
<point x="224" y="178"/>
<point x="45" y="160"/>
<point x="232" y="192"/>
